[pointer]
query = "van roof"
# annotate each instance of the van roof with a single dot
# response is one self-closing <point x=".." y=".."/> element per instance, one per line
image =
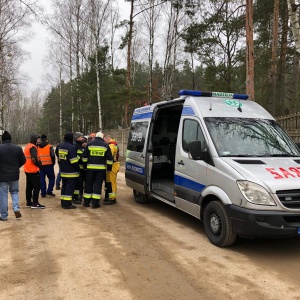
<point x="210" y="104"/>
<point x="224" y="107"/>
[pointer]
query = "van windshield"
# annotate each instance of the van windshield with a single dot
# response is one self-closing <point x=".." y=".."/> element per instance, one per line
<point x="250" y="137"/>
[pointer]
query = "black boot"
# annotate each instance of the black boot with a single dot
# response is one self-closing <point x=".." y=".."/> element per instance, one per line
<point x="109" y="201"/>
<point x="86" y="202"/>
<point x="76" y="201"/>
<point x="95" y="203"/>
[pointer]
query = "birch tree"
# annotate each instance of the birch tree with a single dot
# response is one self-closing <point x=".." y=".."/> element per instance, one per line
<point x="294" y="22"/>
<point x="249" y="50"/>
<point x="98" y="16"/>
<point x="174" y="16"/>
<point x="60" y="25"/>
<point x="68" y="24"/>
<point x="283" y="53"/>
<point x="273" y="98"/>
<point x="56" y="61"/>
<point x="295" y="27"/>
<point x="14" y="16"/>
<point x="150" y="12"/>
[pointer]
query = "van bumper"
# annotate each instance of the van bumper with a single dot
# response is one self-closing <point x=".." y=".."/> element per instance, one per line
<point x="272" y="224"/>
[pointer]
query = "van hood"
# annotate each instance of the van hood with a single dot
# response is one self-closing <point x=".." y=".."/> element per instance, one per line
<point x="275" y="173"/>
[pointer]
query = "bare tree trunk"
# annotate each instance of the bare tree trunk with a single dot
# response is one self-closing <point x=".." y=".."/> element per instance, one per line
<point x="78" y="35"/>
<point x="292" y="106"/>
<point x="60" y="103"/>
<point x="128" y="76"/>
<point x="175" y="37"/>
<point x="165" y="91"/>
<point x="71" y="86"/>
<point x="114" y="18"/>
<point x="273" y="95"/>
<point x="2" y="125"/>
<point x="98" y="20"/>
<point x="170" y="59"/>
<point x="250" y="50"/>
<point x="292" y="7"/>
<point x="281" y="74"/>
<point x="151" y="28"/>
<point x="151" y="12"/>
<point x="98" y="92"/>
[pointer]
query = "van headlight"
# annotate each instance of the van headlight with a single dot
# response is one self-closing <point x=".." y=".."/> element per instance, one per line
<point x="255" y="193"/>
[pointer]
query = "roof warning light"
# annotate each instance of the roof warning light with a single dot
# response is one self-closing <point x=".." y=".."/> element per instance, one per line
<point x="212" y="94"/>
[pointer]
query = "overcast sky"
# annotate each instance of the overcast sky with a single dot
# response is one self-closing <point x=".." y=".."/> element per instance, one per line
<point x="34" y="67"/>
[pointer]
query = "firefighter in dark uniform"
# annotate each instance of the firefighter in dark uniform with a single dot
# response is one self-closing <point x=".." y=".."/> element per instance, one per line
<point x="69" y="170"/>
<point x="97" y="158"/>
<point x="78" y="141"/>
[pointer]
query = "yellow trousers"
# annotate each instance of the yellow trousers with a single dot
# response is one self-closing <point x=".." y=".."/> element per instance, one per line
<point x="111" y="177"/>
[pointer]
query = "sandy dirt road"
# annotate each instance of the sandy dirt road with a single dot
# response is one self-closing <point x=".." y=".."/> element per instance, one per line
<point x="132" y="251"/>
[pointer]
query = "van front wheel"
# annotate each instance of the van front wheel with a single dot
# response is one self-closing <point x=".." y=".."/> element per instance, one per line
<point x="139" y="197"/>
<point x="217" y="225"/>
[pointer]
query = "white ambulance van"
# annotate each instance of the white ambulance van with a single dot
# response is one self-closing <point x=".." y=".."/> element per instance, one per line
<point x="221" y="158"/>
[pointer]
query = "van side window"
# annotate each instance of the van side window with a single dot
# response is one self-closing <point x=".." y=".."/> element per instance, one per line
<point x="137" y="134"/>
<point x="192" y="132"/>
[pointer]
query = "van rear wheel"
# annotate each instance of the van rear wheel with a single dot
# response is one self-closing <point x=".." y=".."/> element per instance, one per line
<point x="140" y="198"/>
<point x="217" y="225"/>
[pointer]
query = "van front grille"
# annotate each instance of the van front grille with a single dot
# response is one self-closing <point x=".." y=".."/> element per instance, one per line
<point x="289" y="198"/>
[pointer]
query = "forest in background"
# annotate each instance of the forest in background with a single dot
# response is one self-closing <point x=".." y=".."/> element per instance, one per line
<point x="102" y="66"/>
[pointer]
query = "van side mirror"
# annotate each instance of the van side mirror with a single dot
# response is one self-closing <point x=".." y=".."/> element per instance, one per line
<point x="195" y="150"/>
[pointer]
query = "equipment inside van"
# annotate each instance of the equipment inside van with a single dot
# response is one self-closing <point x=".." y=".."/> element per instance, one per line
<point x="221" y="158"/>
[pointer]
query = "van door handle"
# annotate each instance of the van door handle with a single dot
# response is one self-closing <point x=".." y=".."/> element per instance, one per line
<point x="142" y="156"/>
<point x="181" y="163"/>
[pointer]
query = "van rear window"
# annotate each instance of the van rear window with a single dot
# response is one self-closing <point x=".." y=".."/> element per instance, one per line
<point x="137" y="134"/>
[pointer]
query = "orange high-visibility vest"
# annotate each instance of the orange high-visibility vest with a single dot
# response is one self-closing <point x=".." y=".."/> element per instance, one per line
<point x="29" y="166"/>
<point x="44" y="155"/>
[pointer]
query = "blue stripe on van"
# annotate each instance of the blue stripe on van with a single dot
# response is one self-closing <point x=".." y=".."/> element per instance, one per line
<point x="187" y="111"/>
<point x="147" y="115"/>
<point x="189" y="184"/>
<point x="134" y="168"/>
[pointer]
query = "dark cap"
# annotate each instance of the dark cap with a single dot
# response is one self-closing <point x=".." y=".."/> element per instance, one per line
<point x="44" y="137"/>
<point x="78" y="135"/>
<point x="6" y="136"/>
<point x="33" y="138"/>
<point x="69" y="136"/>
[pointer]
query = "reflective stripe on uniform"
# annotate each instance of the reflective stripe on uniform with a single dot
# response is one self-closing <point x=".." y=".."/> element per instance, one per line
<point x="69" y="175"/>
<point x="62" y="154"/>
<point x="96" y="167"/>
<point x="97" y="150"/>
<point x="112" y="196"/>
<point x="66" y="197"/>
<point x="95" y="147"/>
<point x="74" y="160"/>
<point x="96" y="196"/>
<point x="87" y="196"/>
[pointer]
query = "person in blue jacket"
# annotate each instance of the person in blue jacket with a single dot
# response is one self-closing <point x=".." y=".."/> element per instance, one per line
<point x="11" y="159"/>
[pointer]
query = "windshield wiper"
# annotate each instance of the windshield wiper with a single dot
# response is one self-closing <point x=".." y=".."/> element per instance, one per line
<point x="238" y="155"/>
<point x="283" y="155"/>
